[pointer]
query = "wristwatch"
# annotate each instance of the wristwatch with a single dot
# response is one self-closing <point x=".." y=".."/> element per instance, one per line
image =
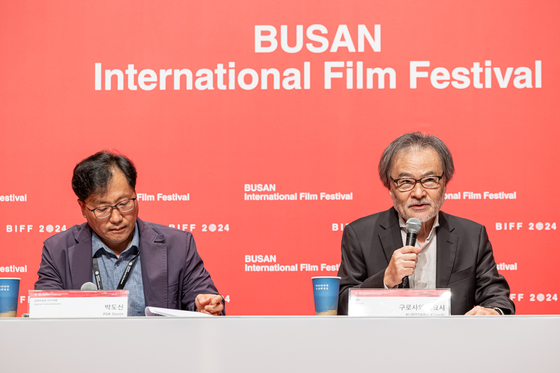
<point x="499" y="310"/>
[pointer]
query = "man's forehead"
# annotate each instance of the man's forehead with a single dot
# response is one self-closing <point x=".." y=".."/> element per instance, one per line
<point x="414" y="160"/>
<point x="110" y="195"/>
<point x="107" y="198"/>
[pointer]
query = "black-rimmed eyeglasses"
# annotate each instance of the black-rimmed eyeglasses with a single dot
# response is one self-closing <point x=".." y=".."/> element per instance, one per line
<point x="405" y="184"/>
<point x="103" y="212"/>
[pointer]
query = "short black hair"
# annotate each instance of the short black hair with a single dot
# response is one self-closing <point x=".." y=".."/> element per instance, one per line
<point x="415" y="140"/>
<point x="93" y="174"/>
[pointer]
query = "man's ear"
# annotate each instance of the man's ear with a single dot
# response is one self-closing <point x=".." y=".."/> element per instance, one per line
<point x="444" y="185"/>
<point x="83" y="207"/>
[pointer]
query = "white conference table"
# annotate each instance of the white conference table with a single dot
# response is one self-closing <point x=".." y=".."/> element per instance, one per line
<point x="282" y="344"/>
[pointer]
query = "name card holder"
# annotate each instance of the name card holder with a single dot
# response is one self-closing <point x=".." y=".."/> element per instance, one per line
<point x="77" y="303"/>
<point x="399" y="302"/>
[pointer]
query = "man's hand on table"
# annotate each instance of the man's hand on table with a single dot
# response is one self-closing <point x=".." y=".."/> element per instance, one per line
<point x="209" y="303"/>
<point x="481" y="311"/>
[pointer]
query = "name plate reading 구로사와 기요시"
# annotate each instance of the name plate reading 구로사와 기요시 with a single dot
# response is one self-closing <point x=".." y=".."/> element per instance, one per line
<point x="78" y="303"/>
<point x="399" y="302"/>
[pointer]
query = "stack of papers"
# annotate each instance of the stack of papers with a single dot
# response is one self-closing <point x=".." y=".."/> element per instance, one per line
<point x="168" y="312"/>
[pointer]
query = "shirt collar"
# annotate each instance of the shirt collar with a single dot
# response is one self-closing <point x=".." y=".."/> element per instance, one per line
<point x="97" y="244"/>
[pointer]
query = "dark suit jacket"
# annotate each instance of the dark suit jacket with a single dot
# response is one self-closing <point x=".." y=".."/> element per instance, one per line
<point x="173" y="273"/>
<point x="465" y="262"/>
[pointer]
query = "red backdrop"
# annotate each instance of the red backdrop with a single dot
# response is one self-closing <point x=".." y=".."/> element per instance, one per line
<point x="502" y="127"/>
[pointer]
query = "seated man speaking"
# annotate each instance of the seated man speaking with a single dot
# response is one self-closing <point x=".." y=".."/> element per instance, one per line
<point x="450" y="252"/>
<point x="158" y="265"/>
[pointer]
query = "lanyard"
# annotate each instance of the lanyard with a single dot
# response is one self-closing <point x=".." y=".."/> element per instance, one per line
<point x="124" y="277"/>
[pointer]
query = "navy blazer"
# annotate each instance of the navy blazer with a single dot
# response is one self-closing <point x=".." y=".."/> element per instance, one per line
<point x="173" y="273"/>
<point x="465" y="262"/>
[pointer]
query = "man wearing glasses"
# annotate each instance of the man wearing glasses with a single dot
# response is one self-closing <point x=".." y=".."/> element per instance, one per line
<point x="450" y="252"/>
<point x="158" y="265"/>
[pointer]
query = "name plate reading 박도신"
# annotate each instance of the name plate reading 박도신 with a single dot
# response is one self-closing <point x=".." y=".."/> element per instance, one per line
<point x="399" y="302"/>
<point x="77" y="303"/>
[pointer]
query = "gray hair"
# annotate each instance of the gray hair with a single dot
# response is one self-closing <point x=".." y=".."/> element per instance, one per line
<point x="415" y="140"/>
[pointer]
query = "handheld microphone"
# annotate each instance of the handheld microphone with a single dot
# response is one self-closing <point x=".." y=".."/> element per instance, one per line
<point x="89" y="286"/>
<point x="413" y="226"/>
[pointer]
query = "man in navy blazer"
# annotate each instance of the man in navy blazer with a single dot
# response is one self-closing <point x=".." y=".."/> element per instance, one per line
<point x="165" y="268"/>
<point x="450" y="252"/>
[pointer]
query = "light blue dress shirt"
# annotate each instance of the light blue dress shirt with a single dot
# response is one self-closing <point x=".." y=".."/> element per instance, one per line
<point x="112" y="268"/>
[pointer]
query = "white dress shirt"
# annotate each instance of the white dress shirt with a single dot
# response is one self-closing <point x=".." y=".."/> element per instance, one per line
<point x="424" y="276"/>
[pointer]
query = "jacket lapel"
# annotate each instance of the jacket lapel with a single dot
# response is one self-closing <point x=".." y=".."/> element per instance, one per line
<point x="390" y="236"/>
<point x="80" y="258"/>
<point x="446" y="251"/>
<point x="153" y="254"/>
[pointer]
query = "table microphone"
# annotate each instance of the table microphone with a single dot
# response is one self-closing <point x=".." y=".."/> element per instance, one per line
<point x="88" y="286"/>
<point x="413" y="226"/>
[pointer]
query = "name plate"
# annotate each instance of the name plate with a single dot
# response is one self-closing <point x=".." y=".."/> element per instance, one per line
<point x="399" y="302"/>
<point x="77" y="303"/>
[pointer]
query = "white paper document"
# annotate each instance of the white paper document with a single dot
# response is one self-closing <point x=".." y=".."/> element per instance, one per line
<point x="168" y="312"/>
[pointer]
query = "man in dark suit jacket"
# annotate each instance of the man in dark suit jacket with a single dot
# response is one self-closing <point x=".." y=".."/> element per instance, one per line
<point x="450" y="252"/>
<point x="171" y="274"/>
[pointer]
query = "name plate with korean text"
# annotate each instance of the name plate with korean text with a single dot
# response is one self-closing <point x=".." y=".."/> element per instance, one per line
<point x="77" y="303"/>
<point x="399" y="302"/>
